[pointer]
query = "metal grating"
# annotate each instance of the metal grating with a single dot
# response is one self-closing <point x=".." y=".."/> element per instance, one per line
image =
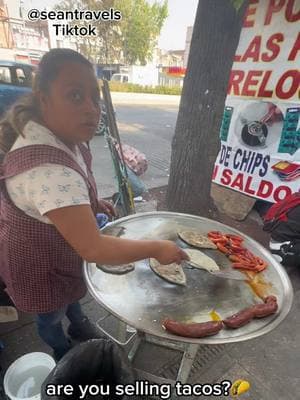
<point x="206" y="356"/>
<point x="159" y="163"/>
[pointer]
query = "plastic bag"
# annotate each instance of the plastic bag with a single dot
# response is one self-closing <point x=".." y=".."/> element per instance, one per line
<point x="133" y="158"/>
<point x="97" y="362"/>
<point x="137" y="185"/>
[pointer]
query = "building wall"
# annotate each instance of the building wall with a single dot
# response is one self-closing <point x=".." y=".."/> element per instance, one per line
<point x="29" y="40"/>
<point x="170" y="58"/>
<point x="60" y="40"/>
<point x="7" y="54"/>
<point x="6" y="41"/>
<point x="13" y="7"/>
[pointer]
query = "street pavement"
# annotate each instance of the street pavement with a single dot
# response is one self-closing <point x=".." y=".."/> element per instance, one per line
<point x="270" y="363"/>
<point x="146" y="122"/>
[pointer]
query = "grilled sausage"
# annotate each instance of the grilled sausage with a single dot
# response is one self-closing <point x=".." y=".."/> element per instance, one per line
<point x="269" y="307"/>
<point x="194" y="330"/>
<point x="270" y="299"/>
<point x="239" y="319"/>
<point x="244" y="316"/>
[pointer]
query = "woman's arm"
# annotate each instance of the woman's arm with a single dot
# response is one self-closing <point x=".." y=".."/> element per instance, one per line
<point x="77" y="225"/>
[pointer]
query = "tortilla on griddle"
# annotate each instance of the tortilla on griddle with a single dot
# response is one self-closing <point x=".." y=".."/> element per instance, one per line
<point x="201" y="260"/>
<point x="196" y="239"/>
<point x="114" y="231"/>
<point x="116" y="269"/>
<point x="172" y="273"/>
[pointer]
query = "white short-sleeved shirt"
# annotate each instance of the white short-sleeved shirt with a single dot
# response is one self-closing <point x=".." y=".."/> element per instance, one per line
<point x="49" y="186"/>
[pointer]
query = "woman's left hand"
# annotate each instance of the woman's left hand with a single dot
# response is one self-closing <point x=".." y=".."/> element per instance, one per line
<point x="106" y="207"/>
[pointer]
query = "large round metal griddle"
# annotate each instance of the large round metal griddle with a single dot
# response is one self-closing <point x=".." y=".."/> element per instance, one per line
<point x="142" y="299"/>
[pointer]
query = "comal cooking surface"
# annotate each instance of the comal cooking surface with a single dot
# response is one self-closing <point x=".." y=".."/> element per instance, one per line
<point x="143" y="300"/>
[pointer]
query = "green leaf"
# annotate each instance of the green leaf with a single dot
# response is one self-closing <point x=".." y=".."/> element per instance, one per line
<point x="140" y="27"/>
<point x="130" y="40"/>
<point x="237" y="3"/>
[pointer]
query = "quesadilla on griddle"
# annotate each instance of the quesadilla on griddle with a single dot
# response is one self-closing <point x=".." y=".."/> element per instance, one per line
<point x="196" y="239"/>
<point x="172" y="273"/>
<point x="201" y="260"/>
<point x="116" y="269"/>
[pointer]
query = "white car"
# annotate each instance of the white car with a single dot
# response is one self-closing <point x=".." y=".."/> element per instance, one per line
<point x="123" y="78"/>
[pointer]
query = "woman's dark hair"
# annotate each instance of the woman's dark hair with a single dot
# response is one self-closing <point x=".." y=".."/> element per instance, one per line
<point x="26" y="108"/>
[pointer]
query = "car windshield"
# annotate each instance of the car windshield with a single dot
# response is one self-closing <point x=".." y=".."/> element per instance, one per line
<point x="116" y="78"/>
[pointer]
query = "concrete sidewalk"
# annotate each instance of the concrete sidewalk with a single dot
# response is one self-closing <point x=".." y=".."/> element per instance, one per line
<point x="144" y="98"/>
<point x="146" y="122"/>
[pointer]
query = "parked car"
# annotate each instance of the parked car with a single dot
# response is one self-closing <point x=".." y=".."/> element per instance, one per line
<point x="123" y="78"/>
<point x="15" y="80"/>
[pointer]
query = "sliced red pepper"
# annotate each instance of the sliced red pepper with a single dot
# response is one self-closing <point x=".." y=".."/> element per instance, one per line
<point x="235" y="243"/>
<point x="250" y="267"/>
<point x="246" y="260"/>
<point x="220" y="240"/>
<point x="260" y="261"/>
<point x="250" y="255"/>
<point x="234" y="237"/>
<point x="236" y="248"/>
<point x="234" y="258"/>
<point x="261" y="267"/>
<point x="242" y="258"/>
<point x="223" y="249"/>
<point x="214" y="234"/>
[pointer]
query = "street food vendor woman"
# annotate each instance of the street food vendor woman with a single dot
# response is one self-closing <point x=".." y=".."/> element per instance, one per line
<point x="49" y="201"/>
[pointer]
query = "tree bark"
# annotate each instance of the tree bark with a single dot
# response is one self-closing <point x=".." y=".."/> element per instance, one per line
<point x="196" y="141"/>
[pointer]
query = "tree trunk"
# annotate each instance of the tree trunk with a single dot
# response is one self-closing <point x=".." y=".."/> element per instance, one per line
<point x="196" y="141"/>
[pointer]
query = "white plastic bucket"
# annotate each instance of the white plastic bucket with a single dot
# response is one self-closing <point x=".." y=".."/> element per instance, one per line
<point x="25" y="376"/>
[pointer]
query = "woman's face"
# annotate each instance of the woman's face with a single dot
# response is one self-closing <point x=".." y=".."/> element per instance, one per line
<point x="71" y="109"/>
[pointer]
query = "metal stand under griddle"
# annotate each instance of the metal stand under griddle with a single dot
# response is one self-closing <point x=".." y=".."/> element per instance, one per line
<point x="188" y="357"/>
<point x="189" y="351"/>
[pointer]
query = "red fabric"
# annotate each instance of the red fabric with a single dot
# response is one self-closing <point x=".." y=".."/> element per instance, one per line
<point x="41" y="270"/>
<point x="279" y="210"/>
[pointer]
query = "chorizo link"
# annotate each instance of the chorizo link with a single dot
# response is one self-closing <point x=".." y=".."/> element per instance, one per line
<point x="239" y="319"/>
<point x="244" y="316"/>
<point x="193" y="330"/>
<point x="269" y="307"/>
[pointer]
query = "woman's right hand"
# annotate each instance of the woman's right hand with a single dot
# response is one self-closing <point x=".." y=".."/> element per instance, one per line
<point x="77" y="225"/>
<point x="168" y="252"/>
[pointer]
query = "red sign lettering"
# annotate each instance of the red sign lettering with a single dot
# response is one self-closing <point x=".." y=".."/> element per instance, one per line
<point x="274" y="7"/>
<point x="253" y="49"/>
<point x="247" y="187"/>
<point x="236" y="77"/>
<point x="226" y="178"/>
<point x="294" y="75"/>
<point x="248" y="23"/>
<point x="272" y="44"/>
<point x="215" y="171"/>
<point x="238" y="182"/>
<point x="289" y="12"/>
<point x="262" y="92"/>
<point x="281" y="193"/>
<point x="265" y="189"/>
<point x="250" y="81"/>
<point x="295" y="49"/>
